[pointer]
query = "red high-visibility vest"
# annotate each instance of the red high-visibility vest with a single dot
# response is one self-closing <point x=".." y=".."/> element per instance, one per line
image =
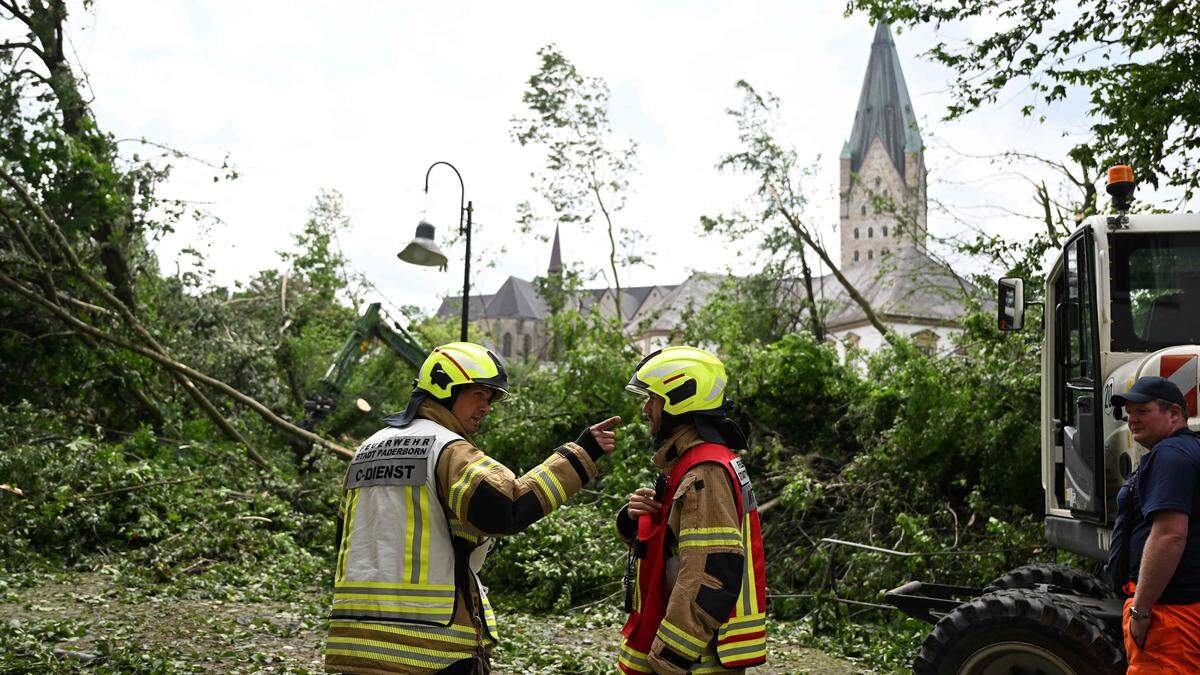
<point x="742" y="638"/>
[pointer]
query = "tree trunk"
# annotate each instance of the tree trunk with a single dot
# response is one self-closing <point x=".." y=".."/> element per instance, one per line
<point x="612" y="251"/>
<point x="816" y="325"/>
<point x="176" y="366"/>
<point x="857" y="297"/>
<point x="110" y="229"/>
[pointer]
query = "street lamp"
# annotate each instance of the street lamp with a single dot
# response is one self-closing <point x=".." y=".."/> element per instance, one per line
<point x="423" y="250"/>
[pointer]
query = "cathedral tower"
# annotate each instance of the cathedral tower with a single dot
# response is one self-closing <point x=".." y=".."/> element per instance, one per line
<point x="882" y="166"/>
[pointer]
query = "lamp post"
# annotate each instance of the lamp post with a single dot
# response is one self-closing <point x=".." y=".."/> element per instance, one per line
<point x="423" y="250"/>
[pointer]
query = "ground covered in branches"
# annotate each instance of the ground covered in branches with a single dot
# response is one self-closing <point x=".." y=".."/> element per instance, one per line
<point x="93" y="621"/>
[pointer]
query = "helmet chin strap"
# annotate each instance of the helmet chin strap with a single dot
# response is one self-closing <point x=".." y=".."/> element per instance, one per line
<point x="669" y="424"/>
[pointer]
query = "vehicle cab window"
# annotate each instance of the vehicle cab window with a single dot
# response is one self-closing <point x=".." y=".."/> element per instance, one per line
<point x="1079" y="475"/>
<point x="1155" y="290"/>
<point x="1076" y="351"/>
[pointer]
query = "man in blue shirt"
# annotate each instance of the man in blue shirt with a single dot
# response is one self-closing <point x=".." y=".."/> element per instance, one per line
<point x="1155" y="552"/>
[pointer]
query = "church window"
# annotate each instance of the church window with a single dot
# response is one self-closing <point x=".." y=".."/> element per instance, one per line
<point x="525" y="344"/>
<point x="864" y="209"/>
<point x="856" y="256"/>
<point x="926" y="342"/>
<point x="885" y="230"/>
<point x="877" y="182"/>
<point x="856" y="233"/>
<point x="870" y="233"/>
<point x="506" y="345"/>
<point x="885" y="252"/>
<point x="870" y="255"/>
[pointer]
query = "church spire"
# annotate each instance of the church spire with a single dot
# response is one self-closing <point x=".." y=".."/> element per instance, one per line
<point x="555" y="256"/>
<point x="884" y="108"/>
<point x="885" y="124"/>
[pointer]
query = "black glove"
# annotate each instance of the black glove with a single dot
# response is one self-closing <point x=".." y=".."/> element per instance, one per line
<point x="588" y="442"/>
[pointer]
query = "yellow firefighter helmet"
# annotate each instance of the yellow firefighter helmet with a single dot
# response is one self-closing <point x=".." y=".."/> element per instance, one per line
<point x="460" y="363"/>
<point x="689" y="380"/>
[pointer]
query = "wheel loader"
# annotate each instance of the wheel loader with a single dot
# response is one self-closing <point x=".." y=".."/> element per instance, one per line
<point x="1121" y="301"/>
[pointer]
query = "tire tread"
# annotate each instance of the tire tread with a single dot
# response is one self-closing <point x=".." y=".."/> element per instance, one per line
<point x="1051" y="615"/>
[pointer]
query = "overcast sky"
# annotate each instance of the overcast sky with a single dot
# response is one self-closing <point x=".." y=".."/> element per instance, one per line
<point x="362" y="97"/>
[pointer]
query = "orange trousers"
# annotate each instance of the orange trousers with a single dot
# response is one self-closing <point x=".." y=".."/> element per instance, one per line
<point x="1172" y="643"/>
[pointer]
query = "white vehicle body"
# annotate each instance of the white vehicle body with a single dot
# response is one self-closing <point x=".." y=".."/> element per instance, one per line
<point x="1122" y="301"/>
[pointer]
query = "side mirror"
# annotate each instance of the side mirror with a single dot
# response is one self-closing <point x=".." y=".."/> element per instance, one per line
<point x="1010" y="304"/>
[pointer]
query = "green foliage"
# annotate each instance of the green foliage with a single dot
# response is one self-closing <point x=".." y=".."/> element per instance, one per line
<point x="555" y="403"/>
<point x="119" y="471"/>
<point x="168" y="508"/>
<point x="561" y="561"/>
<point x="797" y="389"/>
<point x="574" y="556"/>
<point x="47" y="646"/>
<point x="576" y="643"/>
<point x="991" y="393"/>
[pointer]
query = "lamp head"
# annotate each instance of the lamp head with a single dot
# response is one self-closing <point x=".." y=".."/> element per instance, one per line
<point x="423" y="250"/>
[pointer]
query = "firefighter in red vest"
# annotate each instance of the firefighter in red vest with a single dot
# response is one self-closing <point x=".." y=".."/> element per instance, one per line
<point x="694" y="585"/>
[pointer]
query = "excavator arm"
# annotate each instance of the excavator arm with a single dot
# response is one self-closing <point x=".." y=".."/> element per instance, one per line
<point x="370" y="326"/>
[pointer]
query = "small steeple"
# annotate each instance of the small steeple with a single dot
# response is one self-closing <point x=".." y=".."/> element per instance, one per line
<point x="555" y="256"/>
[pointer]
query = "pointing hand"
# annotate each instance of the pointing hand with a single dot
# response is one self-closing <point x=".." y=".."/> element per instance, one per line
<point x="604" y="435"/>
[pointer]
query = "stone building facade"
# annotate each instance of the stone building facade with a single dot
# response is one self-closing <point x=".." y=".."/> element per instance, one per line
<point x="883" y="223"/>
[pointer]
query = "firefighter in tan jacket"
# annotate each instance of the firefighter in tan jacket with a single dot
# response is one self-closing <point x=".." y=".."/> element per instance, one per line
<point x="422" y="507"/>
<point x="695" y="586"/>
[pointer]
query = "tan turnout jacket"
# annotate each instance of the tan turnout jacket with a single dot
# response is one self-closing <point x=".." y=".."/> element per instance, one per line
<point x="704" y="499"/>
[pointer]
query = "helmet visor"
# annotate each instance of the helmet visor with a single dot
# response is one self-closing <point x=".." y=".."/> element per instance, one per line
<point x="637" y="389"/>
<point x="635" y="384"/>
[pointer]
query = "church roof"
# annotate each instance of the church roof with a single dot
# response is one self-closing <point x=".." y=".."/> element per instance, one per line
<point x="638" y="294"/>
<point x="668" y="313"/>
<point x="517" y="298"/>
<point x="884" y="108"/>
<point x="906" y="284"/>
<point x="452" y="306"/>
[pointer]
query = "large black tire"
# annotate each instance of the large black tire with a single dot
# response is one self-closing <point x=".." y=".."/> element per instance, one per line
<point x="1021" y="631"/>
<point x="1029" y="576"/>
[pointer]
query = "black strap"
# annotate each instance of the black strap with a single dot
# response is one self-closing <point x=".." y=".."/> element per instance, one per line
<point x="1128" y="523"/>
<point x="630" y="579"/>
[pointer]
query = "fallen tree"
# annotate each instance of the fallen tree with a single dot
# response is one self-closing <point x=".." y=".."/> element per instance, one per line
<point x="110" y="305"/>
